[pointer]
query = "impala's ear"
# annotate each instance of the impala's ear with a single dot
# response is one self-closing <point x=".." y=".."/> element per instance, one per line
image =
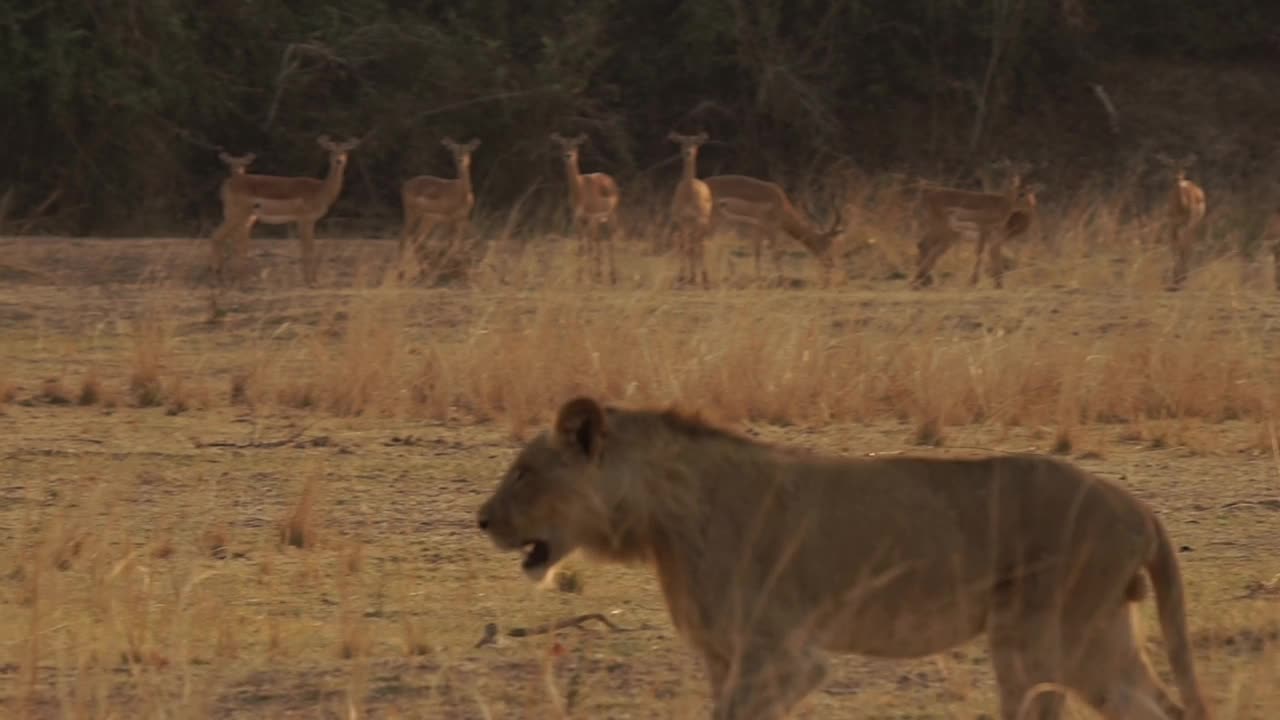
<point x="580" y="425"/>
<point x="702" y="137"/>
<point x="673" y="136"/>
<point x="473" y="143"/>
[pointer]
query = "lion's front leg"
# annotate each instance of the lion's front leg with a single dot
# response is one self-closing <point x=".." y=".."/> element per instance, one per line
<point x="762" y="683"/>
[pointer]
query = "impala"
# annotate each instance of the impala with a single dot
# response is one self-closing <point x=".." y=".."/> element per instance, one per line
<point x="995" y="218"/>
<point x="236" y="165"/>
<point x="765" y="207"/>
<point x="430" y="202"/>
<point x="593" y="201"/>
<point x="1185" y="216"/>
<point x="691" y="208"/>
<point x="301" y="201"/>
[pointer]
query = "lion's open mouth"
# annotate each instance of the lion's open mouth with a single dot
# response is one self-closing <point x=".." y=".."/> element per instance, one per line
<point x="537" y="554"/>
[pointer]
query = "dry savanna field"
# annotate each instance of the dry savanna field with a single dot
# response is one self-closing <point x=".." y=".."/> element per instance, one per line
<point x="260" y="501"/>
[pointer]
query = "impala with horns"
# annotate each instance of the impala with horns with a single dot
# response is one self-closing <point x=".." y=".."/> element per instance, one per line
<point x="995" y="218"/>
<point x="765" y="208"/>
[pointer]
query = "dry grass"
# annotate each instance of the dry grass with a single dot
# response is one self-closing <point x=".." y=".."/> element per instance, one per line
<point x="278" y="520"/>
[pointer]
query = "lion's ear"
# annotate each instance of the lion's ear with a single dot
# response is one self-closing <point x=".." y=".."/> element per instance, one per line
<point x="580" y="424"/>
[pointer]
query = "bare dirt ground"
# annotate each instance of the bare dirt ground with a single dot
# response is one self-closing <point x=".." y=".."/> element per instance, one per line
<point x="250" y="504"/>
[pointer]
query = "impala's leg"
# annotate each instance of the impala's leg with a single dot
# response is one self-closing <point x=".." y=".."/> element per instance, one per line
<point x="608" y="247"/>
<point x="933" y="244"/>
<point x="698" y="255"/>
<point x="307" y="236"/>
<point x="240" y="245"/>
<point x="463" y="236"/>
<point x="580" y="242"/>
<point x="678" y="241"/>
<point x="995" y="262"/>
<point x="411" y="220"/>
<point x="1181" y="252"/>
<point x="218" y="245"/>
<point x="593" y="249"/>
<point x="1275" y="262"/>
<point x="423" y="251"/>
<point x="692" y="241"/>
<point x="699" y="250"/>
<point x="775" y="249"/>
<point x="983" y="242"/>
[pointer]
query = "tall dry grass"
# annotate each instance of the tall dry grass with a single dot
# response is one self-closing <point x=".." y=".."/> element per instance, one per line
<point x="1083" y="335"/>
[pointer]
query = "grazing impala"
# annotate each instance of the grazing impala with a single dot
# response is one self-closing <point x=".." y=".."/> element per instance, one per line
<point x="593" y="200"/>
<point x="996" y="218"/>
<point x="1185" y="216"/>
<point x="430" y="202"/>
<point x="301" y="201"/>
<point x="691" y="208"/>
<point x="765" y="207"/>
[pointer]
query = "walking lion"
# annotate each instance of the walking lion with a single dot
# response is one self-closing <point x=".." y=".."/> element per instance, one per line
<point x="769" y="556"/>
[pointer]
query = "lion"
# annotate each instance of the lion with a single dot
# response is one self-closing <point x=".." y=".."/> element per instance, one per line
<point x="769" y="557"/>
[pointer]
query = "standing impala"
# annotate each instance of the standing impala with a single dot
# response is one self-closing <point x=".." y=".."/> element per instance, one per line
<point x="236" y="165"/>
<point x="765" y="208"/>
<point x="430" y="202"/>
<point x="593" y="200"/>
<point x="996" y="218"/>
<point x="284" y="200"/>
<point x="1186" y="216"/>
<point x="691" y="208"/>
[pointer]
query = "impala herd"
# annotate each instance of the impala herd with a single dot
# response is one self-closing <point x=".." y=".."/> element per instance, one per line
<point x="697" y="207"/>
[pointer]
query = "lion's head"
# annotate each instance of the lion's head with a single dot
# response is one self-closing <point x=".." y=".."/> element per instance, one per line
<point x="549" y="502"/>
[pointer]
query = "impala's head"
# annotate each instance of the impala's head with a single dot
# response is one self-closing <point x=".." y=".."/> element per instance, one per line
<point x="1015" y="173"/>
<point x="237" y="164"/>
<point x="338" y="150"/>
<point x="1177" y="166"/>
<point x="548" y="503"/>
<point x="461" y="151"/>
<point x="825" y="243"/>
<point x="569" y="146"/>
<point x="689" y="144"/>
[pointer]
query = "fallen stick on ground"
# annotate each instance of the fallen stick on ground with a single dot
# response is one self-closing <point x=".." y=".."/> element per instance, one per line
<point x="491" y="629"/>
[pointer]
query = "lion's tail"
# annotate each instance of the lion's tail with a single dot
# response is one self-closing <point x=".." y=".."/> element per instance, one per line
<point x="1171" y="606"/>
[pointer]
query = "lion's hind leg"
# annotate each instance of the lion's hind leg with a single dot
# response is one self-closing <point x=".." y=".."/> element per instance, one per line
<point x="1108" y="669"/>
